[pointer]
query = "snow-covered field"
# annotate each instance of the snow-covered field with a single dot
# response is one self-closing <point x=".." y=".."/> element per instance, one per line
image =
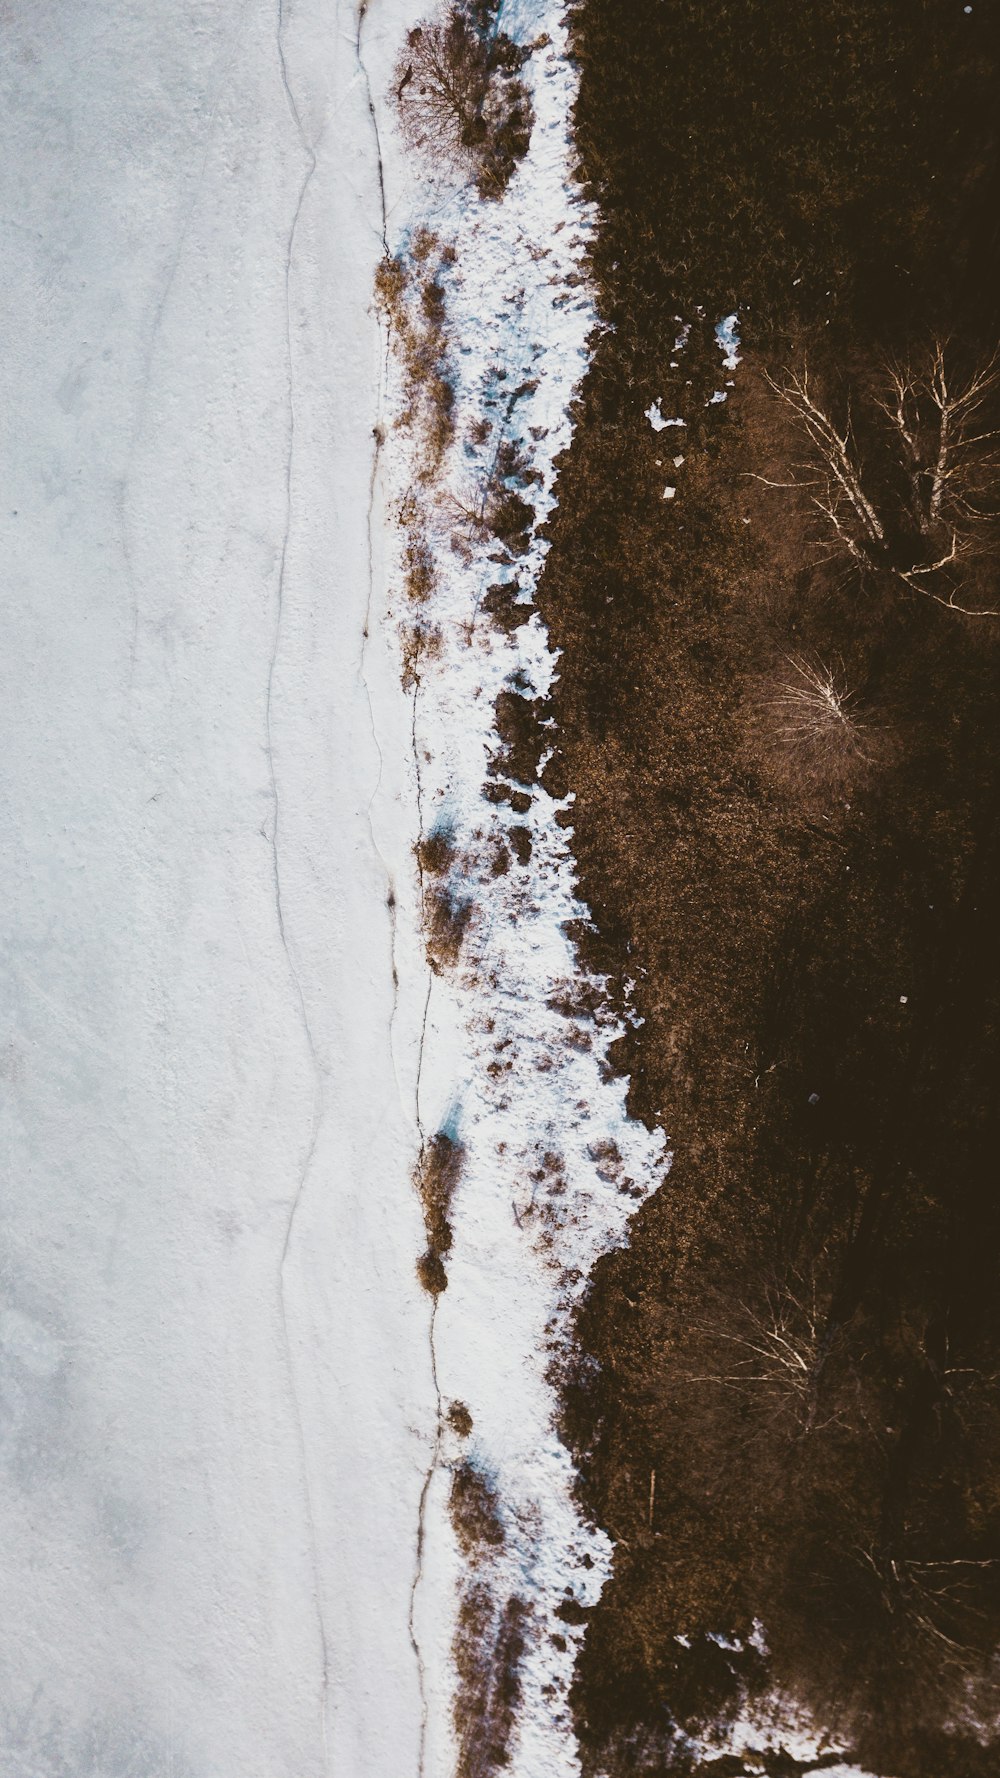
<point x="215" y="1384"/>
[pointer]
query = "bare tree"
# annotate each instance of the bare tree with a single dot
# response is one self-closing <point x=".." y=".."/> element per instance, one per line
<point x="941" y="450"/>
<point x="774" y="1353"/>
<point x="458" y="95"/>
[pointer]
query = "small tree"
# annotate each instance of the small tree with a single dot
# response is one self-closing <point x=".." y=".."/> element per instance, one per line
<point x="458" y="93"/>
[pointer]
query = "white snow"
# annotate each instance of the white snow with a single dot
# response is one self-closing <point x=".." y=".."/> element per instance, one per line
<point x="658" y="421"/>
<point x="214" y="1372"/>
<point x="727" y="338"/>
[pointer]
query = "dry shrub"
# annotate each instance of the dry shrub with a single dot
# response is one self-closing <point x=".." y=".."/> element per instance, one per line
<point x="438" y="1173"/>
<point x="458" y="94"/>
<point x="414" y="301"/>
<point x="446" y="921"/>
<point x="474" y="1506"/>
<point x="489" y="1647"/>
<point x="459" y="1419"/>
<point x="497" y="508"/>
<point x="810" y="733"/>
<point x="418" y="642"/>
<point x="419" y="577"/>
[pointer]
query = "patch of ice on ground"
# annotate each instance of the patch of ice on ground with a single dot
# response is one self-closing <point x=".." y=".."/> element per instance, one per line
<point x="727" y="338"/>
<point x="658" y="421"/>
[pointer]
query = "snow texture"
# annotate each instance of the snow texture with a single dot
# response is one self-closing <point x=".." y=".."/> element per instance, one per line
<point x="657" y="420"/>
<point x="215" y="1381"/>
<point x="727" y="338"/>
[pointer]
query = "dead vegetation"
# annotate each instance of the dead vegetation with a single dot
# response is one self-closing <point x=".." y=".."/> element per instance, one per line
<point x="447" y="915"/>
<point x="489" y="1647"/>
<point x="474" y="1506"/>
<point x="787" y="1409"/>
<point x="436" y="852"/>
<point x="495" y="509"/>
<point x="411" y="295"/>
<point x="810" y="732"/>
<point x="459" y="96"/>
<point x="438" y="1174"/>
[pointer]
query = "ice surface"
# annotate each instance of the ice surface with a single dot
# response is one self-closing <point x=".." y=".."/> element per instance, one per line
<point x="214" y="1371"/>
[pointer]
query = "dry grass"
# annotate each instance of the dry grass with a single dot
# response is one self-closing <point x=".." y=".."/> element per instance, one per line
<point x="436" y="852"/>
<point x="438" y="1173"/>
<point x="489" y="1647"/>
<point x="447" y="917"/>
<point x="413" y="299"/>
<point x="475" y="1511"/>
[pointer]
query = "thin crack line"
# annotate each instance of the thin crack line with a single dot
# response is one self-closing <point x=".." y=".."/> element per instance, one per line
<point x="317" y="1106"/>
<point x="438" y="1428"/>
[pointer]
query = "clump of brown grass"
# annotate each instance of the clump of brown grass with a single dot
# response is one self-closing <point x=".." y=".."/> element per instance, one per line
<point x="437" y="1176"/>
<point x="436" y="852"/>
<point x="447" y="917"/>
<point x="459" y="1419"/>
<point x="489" y="1648"/>
<point x="419" y="578"/>
<point x="412" y="296"/>
<point x="474" y="1506"/>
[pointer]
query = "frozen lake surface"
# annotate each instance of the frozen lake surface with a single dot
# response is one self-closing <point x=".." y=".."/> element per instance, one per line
<point x="214" y="1368"/>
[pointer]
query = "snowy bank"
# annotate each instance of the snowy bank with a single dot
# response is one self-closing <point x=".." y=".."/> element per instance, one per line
<point x="512" y="1036"/>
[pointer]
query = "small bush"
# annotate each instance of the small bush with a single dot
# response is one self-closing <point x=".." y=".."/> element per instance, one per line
<point x="438" y="1174"/>
<point x="414" y="301"/>
<point x="475" y="1510"/>
<point x="457" y="91"/>
<point x="446" y="921"/>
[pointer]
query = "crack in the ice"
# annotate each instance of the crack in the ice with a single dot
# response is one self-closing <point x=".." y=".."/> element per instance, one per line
<point x="391" y="901"/>
<point x="362" y="14"/>
<point x="299" y="994"/>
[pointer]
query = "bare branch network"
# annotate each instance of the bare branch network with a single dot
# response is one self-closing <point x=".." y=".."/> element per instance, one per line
<point x="924" y="523"/>
<point x="458" y="93"/>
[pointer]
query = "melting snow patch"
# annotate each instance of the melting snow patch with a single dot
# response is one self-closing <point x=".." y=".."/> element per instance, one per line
<point x="727" y="338"/>
<point x="657" y="420"/>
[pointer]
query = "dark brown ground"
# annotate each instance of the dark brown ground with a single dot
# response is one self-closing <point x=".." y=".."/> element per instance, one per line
<point x="800" y="1348"/>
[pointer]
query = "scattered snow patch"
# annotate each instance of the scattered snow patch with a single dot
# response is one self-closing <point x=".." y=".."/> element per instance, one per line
<point x="727" y="338"/>
<point x="657" y="420"/>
